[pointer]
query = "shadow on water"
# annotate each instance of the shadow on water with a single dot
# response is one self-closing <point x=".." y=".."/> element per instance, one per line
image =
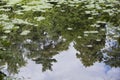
<point x="30" y="33"/>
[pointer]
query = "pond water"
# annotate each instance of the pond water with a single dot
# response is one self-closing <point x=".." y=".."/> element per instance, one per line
<point x="59" y="40"/>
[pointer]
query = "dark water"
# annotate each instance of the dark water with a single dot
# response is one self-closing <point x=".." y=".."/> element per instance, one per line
<point x="67" y="40"/>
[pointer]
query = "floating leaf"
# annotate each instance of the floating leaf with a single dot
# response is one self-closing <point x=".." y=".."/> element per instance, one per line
<point x="40" y="18"/>
<point x="90" y="17"/>
<point x="89" y="45"/>
<point x="90" y="32"/>
<point x="7" y="31"/>
<point x="79" y="37"/>
<point x="98" y="39"/>
<point x="87" y="12"/>
<point x="90" y="6"/>
<point x="25" y="32"/>
<point x="69" y="28"/>
<point x="3" y="37"/>
<point x="8" y="26"/>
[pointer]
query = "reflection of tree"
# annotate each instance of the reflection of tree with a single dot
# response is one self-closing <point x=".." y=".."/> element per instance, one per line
<point x="45" y="58"/>
<point x="43" y="52"/>
<point x="11" y="57"/>
<point x="90" y="49"/>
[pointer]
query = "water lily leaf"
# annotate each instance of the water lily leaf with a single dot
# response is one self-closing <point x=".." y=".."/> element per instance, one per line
<point x="25" y="32"/>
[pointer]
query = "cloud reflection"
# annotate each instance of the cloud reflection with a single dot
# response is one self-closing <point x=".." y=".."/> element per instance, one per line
<point x="69" y="67"/>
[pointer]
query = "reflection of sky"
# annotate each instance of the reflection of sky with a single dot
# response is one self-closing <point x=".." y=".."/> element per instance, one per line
<point x="69" y="67"/>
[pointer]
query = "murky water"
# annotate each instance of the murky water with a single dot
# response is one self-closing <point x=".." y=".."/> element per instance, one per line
<point x="59" y="40"/>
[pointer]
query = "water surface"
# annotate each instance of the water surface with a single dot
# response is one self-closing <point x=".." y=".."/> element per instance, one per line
<point x="59" y="40"/>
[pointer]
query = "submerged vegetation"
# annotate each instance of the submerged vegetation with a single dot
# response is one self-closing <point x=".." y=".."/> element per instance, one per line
<point x="39" y="30"/>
